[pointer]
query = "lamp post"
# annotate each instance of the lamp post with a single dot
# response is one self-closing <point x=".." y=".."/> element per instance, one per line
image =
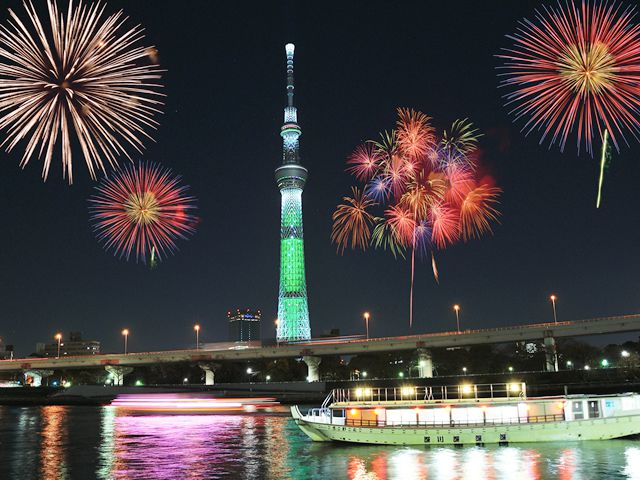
<point x="366" y="321"/>
<point x="456" y="308"/>
<point x="553" y="302"/>
<point x="125" y="333"/>
<point x="58" y="337"/>
<point x="196" y="327"/>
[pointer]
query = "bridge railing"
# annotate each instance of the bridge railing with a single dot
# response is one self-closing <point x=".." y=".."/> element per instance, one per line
<point x="408" y="393"/>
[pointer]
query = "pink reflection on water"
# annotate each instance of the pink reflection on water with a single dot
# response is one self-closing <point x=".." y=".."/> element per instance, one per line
<point x="175" y="446"/>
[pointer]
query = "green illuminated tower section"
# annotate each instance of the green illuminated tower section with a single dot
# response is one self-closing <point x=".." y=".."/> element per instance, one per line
<point x="293" y="310"/>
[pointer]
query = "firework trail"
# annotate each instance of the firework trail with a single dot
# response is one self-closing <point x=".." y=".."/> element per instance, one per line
<point x="426" y="188"/>
<point x="142" y="210"/>
<point x="77" y="80"/>
<point x="603" y="160"/>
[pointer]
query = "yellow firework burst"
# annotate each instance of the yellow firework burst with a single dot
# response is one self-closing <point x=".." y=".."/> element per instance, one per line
<point x="591" y="69"/>
<point x="142" y="208"/>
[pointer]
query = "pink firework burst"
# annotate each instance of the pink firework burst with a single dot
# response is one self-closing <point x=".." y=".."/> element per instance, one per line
<point x="576" y="67"/>
<point x="142" y="209"/>
<point x="363" y="162"/>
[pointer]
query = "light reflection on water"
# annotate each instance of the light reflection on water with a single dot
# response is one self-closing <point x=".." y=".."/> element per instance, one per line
<point x="57" y="442"/>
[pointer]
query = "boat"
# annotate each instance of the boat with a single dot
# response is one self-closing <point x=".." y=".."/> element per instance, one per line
<point x="467" y="414"/>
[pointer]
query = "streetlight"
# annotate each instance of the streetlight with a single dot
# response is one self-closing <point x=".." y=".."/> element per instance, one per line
<point x="456" y="308"/>
<point x="125" y="333"/>
<point x="511" y="369"/>
<point x="58" y="337"/>
<point x="624" y="354"/>
<point x="569" y="363"/>
<point x="364" y="374"/>
<point x="553" y="302"/>
<point x="268" y="377"/>
<point x="366" y="321"/>
<point x="249" y="370"/>
<point x="604" y="363"/>
<point x="464" y="370"/>
<point x="401" y="374"/>
<point x="587" y="367"/>
<point x="196" y="327"/>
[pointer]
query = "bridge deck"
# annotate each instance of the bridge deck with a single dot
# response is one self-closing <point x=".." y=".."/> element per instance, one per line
<point x="320" y="347"/>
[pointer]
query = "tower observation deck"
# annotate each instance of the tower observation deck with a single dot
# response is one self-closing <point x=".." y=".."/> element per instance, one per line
<point x="293" y="310"/>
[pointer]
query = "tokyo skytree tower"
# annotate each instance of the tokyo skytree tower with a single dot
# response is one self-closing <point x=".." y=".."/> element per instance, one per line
<point x="293" y="311"/>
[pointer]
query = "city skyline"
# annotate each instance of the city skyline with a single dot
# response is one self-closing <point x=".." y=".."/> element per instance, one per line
<point x="220" y="131"/>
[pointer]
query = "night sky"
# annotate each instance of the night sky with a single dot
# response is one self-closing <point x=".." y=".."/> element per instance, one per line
<point x="355" y="63"/>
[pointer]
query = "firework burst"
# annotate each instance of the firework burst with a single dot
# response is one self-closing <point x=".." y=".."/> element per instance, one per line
<point x="141" y="210"/>
<point x="77" y="80"/>
<point x="352" y="221"/>
<point x="425" y="188"/>
<point x="575" y="68"/>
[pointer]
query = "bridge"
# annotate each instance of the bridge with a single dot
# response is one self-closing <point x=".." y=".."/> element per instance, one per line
<point x="312" y="351"/>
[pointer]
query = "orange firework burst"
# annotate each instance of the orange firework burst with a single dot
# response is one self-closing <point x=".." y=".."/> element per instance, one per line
<point x="415" y="134"/>
<point x="478" y="210"/>
<point x="352" y="222"/>
<point x="82" y="81"/>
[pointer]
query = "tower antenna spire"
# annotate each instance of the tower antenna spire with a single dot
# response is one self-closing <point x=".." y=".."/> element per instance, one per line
<point x="290" y="49"/>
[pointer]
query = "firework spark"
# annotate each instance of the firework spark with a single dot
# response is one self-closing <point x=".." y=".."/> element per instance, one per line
<point x="575" y="68"/>
<point x="78" y="79"/>
<point x="142" y="210"/>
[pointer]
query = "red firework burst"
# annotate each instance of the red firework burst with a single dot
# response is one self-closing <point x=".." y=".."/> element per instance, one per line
<point x="142" y="209"/>
<point x="576" y="67"/>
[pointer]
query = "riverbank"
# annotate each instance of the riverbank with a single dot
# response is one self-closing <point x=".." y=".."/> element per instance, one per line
<point x="538" y="384"/>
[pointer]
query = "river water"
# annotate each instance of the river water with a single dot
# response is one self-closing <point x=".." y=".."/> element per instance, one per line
<point x="61" y="442"/>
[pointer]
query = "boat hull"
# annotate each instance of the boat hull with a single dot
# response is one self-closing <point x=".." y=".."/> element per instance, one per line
<point x="576" y="430"/>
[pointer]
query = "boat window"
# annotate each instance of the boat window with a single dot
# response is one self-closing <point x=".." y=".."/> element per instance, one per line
<point x="576" y="409"/>
<point x="594" y="409"/>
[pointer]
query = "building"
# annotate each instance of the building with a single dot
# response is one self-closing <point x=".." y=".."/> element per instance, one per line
<point x="244" y="325"/>
<point x="6" y="351"/>
<point x="293" y="310"/>
<point x="74" y="346"/>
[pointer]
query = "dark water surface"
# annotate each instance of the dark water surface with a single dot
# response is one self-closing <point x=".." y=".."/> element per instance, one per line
<point x="59" y="442"/>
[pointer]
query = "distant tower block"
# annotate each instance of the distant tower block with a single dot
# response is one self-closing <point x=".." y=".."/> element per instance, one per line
<point x="293" y="310"/>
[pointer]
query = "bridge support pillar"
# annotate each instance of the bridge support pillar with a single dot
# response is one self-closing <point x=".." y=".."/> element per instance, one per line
<point x="117" y="373"/>
<point x="425" y="363"/>
<point x="550" y="353"/>
<point x="313" y="368"/>
<point x="34" y="377"/>
<point x="209" y="372"/>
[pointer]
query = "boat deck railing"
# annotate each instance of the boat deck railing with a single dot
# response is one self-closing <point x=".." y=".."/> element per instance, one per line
<point x="449" y="393"/>
<point x="355" y="422"/>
